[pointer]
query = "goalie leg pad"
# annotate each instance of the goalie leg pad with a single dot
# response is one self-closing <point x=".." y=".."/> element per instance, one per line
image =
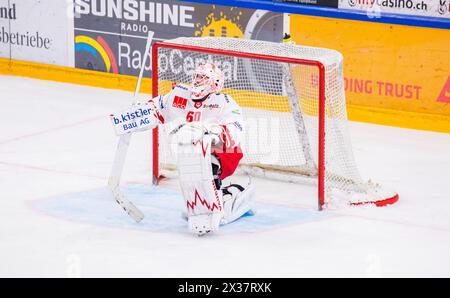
<point x="204" y="223"/>
<point x="237" y="201"/>
<point x="203" y="200"/>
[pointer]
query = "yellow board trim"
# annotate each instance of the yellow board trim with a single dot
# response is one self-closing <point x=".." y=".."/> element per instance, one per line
<point x="72" y="75"/>
<point x="389" y="117"/>
<point x="404" y="119"/>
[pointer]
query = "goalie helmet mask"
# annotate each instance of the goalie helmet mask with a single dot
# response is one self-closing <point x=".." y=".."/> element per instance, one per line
<point x="208" y="78"/>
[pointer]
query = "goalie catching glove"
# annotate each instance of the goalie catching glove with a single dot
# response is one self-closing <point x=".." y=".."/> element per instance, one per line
<point x="192" y="132"/>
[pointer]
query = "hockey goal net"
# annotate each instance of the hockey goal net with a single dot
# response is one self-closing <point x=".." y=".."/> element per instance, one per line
<point x="294" y="109"/>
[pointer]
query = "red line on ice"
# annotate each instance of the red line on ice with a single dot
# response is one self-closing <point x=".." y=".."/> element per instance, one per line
<point x="50" y="130"/>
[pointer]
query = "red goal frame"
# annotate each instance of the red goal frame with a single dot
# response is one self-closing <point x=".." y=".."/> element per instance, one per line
<point x="322" y="99"/>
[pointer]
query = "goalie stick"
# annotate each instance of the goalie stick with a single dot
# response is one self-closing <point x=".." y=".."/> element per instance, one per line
<point x="121" y="152"/>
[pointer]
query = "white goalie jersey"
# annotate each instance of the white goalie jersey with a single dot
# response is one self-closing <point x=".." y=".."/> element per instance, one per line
<point x="206" y="206"/>
<point x="217" y="109"/>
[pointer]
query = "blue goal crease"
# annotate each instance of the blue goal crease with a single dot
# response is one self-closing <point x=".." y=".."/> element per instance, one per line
<point x="163" y="210"/>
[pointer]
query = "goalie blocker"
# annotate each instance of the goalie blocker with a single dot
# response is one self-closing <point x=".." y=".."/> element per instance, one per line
<point x="138" y="118"/>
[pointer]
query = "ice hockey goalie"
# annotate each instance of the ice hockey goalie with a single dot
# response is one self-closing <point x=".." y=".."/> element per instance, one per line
<point x="206" y="128"/>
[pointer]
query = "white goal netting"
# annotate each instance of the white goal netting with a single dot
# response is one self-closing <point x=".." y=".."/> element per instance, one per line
<point x="280" y="102"/>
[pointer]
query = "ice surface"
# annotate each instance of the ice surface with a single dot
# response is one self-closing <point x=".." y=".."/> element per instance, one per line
<point x="56" y="219"/>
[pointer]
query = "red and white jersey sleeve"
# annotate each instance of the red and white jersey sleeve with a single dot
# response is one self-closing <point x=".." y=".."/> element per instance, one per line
<point x="217" y="109"/>
<point x="231" y="119"/>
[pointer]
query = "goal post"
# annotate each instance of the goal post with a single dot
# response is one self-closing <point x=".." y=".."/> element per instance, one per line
<point x="298" y="90"/>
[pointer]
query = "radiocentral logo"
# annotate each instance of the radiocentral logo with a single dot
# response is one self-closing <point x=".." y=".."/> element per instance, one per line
<point x="98" y="49"/>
